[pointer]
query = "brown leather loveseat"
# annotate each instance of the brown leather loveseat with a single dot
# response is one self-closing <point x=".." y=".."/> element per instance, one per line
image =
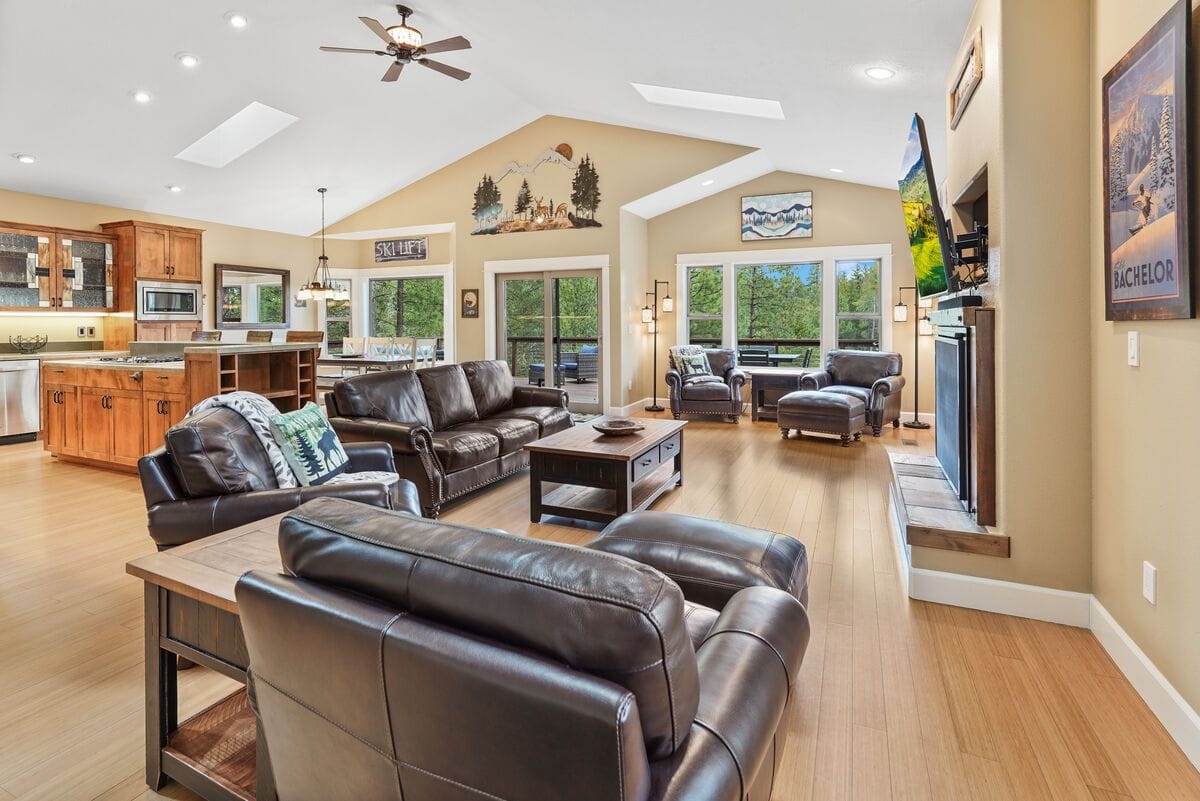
<point x="416" y="660"/>
<point x="454" y="428"/>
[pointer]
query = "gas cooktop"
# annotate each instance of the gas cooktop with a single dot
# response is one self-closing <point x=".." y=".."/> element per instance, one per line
<point x="140" y="359"/>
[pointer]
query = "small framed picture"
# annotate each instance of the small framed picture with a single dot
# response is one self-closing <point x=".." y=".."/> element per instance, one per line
<point x="299" y="304"/>
<point x="470" y="303"/>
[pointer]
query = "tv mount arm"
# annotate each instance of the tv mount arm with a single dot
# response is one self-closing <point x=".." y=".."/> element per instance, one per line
<point x="971" y="249"/>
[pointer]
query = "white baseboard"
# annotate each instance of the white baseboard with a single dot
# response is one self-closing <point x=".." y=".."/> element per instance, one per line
<point x="1178" y="717"/>
<point x="636" y="406"/>
<point x="1003" y="597"/>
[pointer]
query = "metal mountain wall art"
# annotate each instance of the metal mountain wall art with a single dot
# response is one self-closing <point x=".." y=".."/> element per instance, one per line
<point x="551" y="193"/>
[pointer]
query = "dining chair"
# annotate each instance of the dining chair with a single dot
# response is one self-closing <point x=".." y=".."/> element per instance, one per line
<point x="259" y="336"/>
<point x="405" y="348"/>
<point x="304" y="336"/>
<point x="353" y="345"/>
<point x="426" y="351"/>
<point x="206" y="336"/>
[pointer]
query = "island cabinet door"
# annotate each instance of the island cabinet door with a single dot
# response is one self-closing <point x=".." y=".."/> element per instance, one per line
<point x="60" y="419"/>
<point x="128" y="430"/>
<point x="95" y="423"/>
<point x="160" y="411"/>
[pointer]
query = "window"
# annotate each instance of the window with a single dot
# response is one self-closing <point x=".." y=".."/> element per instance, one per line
<point x="705" y="305"/>
<point x="270" y="303"/>
<point x="858" y="305"/>
<point x="779" y="308"/>
<point x="407" y="307"/>
<point x="231" y="304"/>
<point x="337" y="318"/>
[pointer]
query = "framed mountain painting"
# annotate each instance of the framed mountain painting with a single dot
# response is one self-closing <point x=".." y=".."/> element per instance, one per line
<point x="1147" y="264"/>
<point x="786" y="216"/>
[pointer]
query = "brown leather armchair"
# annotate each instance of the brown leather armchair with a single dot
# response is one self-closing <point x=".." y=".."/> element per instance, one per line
<point x="722" y="398"/>
<point x="454" y="428"/>
<point x="871" y="376"/>
<point x="404" y="658"/>
<point x="213" y="474"/>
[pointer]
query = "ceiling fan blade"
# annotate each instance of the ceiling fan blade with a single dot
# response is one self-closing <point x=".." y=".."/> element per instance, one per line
<point x="446" y="45"/>
<point x="393" y="72"/>
<point x="377" y="29"/>
<point x="445" y="69"/>
<point x="353" y="50"/>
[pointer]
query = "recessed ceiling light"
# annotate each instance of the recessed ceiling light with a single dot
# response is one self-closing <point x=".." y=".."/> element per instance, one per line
<point x="708" y="182"/>
<point x="710" y="101"/>
<point x="187" y="59"/>
<point x="140" y="96"/>
<point x="236" y="19"/>
<point x="174" y="188"/>
<point x="837" y="170"/>
<point x="880" y="73"/>
<point x="25" y="158"/>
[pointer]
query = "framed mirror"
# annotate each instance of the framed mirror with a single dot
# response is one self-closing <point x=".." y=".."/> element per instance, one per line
<point x="252" y="297"/>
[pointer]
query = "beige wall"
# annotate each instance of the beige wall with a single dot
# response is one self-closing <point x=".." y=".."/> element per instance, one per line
<point x="843" y="214"/>
<point x="1033" y="134"/>
<point x="224" y="244"/>
<point x="631" y="164"/>
<point x="1146" y="450"/>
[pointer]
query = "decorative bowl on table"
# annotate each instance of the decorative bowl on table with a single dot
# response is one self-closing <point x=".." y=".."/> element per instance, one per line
<point x="618" y="426"/>
<point x="29" y="345"/>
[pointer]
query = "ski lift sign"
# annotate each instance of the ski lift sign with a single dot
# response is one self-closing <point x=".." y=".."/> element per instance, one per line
<point x="407" y="249"/>
<point x="1147" y="270"/>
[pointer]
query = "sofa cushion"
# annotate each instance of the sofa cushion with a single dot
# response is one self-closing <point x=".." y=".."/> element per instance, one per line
<point x="513" y="432"/>
<point x="861" y="368"/>
<point x="705" y="391"/>
<point x="448" y="395"/>
<point x="392" y="395"/>
<point x="550" y="419"/>
<point x="491" y="385"/>
<point x="216" y="452"/>
<point x="457" y="449"/>
<point x="721" y="360"/>
<point x="595" y="612"/>
<point x="862" y="393"/>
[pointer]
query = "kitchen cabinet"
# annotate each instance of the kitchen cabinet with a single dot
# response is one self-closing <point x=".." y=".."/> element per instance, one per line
<point x="153" y="252"/>
<point x="111" y="427"/>
<point x="60" y="419"/>
<point x="160" y="411"/>
<point x="166" y="332"/>
<point x="56" y="268"/>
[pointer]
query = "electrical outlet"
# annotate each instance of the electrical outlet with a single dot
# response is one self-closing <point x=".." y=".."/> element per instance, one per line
<point x="1134" y="349"/>
<point x="91" y="331"/>
<point x="1150" y="583"/>
<point x="80" y="332"/>
<point x="629" y="384"/>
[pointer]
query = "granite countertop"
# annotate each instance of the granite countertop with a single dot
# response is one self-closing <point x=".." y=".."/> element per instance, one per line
<point x="92" y="364"/>
<point x="56" y="355"/>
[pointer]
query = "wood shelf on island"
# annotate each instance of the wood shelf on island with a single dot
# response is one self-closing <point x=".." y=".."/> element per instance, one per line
<point x="281" y="372"/>
<point x="931" y="514"/>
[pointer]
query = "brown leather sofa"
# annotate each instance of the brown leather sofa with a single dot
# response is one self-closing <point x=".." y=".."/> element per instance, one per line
<point x="416" y="660"/>
<point x="718" y="398"/>
<point x="454" y="428"/>
<point x="213" y="474"/>
<point x="871" y="376"/>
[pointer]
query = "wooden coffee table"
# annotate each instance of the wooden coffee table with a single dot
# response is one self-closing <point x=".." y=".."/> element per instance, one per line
<point x="191" y="612"/>
<point x="583" y="474"/>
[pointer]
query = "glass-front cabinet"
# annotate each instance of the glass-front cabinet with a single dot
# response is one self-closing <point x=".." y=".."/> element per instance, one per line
<point x="55" y="269"/>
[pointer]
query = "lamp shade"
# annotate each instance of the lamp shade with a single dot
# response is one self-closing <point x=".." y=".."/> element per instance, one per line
<point x="924" y="327"/>
<point x="647" y="314"/>
<point x="650" y="327"/>
<point x="668" y="304"/>
<point x="900" y="313"/>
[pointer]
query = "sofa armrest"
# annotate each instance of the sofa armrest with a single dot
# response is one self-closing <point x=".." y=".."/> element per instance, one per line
<point x="538" y="396"/>
<point x="816" y="380"/>
<point x="406" y="438"/>
<point x="735" y="378"/>
<point x="710" y="560"/>
<point x="674" y="380"/>
<point x="883" y="387"/>
<point x="370" y="456"/>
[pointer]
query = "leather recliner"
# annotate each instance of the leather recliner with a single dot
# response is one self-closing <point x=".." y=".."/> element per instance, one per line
<point x="213" y="474"/>
<point x="454" y="428"/>
<point x="871" y="376"/>
<point x="721" y="398"/>
<point x="403" y="659"/>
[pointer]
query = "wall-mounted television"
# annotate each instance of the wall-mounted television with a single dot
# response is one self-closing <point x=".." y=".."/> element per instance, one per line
<point x="928" y="232"/>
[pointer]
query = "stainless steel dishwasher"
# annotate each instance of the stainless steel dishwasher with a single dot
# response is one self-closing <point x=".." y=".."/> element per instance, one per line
<point x="20" y="414"/>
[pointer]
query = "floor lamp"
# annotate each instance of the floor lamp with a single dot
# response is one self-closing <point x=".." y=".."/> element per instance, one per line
<point x="921" y="328"/>
<point x="650" y="318"/>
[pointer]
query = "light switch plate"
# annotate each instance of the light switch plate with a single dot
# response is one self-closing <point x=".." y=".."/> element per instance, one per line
<point x="80" y="331"/>
<point x="91" y="330"/>
<point x="1134" y="349"/>
<point x="1150" y="583"/>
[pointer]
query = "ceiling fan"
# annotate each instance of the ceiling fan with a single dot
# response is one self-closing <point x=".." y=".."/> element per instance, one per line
<point x="404" y="46"/>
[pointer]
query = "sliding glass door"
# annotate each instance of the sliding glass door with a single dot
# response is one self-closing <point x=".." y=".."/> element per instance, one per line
<point x="549" y="332"/>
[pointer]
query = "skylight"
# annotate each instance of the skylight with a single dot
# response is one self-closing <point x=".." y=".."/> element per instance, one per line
<point x="238" y="135"/>
<point x="710" y="101"/>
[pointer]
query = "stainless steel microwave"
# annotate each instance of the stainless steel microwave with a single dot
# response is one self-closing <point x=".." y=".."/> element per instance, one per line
<point x="168" y="300"/>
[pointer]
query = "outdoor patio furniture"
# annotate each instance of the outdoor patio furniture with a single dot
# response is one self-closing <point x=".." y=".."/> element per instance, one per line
<point x="582" y="365"/>
<point x="537" y="374"/>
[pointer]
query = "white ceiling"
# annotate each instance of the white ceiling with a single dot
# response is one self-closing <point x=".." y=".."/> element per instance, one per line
<point x="67" y="67"/>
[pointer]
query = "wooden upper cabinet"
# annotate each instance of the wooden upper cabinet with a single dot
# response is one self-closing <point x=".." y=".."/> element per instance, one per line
<point x="56" y="268"/>
<point x="154" y="252"/>
<point x="87" y="271"/>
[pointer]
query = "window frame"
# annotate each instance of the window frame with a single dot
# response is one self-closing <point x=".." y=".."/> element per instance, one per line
<point x="687" y="314"/>
<point x="370" y="307"/>
<point x="359" y="279"/>
<point x="838" y="315"/>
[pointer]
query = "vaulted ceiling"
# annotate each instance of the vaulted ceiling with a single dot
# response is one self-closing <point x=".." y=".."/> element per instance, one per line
<point x="67" y="70"/>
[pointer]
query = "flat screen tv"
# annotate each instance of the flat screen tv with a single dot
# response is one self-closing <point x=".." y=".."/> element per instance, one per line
<point x="928" y="233"/>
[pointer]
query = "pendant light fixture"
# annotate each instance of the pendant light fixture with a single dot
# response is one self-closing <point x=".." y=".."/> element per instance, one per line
<point x="321" y="286"/>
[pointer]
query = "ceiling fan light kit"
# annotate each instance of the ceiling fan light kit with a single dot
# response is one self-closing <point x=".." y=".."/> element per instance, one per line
<point x="405" y="45"/>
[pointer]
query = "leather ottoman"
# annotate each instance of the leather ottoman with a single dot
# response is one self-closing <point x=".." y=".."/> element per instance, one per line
<point x="710" y="560"/>
<point x="823" y="412"/>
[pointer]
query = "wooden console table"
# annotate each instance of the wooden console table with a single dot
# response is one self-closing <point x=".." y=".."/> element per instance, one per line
<point x="191" y="612"/>
<point x="776" y="382"/>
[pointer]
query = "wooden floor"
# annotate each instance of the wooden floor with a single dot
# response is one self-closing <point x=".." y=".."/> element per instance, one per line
<point x="897" y="700"/>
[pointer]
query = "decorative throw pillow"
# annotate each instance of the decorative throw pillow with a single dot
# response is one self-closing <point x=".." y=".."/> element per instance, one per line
<point x="693" y="364"/>
<point x="309" y="444"/>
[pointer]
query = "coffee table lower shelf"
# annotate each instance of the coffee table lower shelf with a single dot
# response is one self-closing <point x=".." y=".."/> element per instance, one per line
<point x="600" y="505"/>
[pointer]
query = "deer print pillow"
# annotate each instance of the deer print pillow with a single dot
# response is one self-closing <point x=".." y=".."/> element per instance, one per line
<point x="309" y="444"/>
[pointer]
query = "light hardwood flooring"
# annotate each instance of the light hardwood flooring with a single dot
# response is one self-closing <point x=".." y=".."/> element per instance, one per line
<point x="897" y="699"/>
